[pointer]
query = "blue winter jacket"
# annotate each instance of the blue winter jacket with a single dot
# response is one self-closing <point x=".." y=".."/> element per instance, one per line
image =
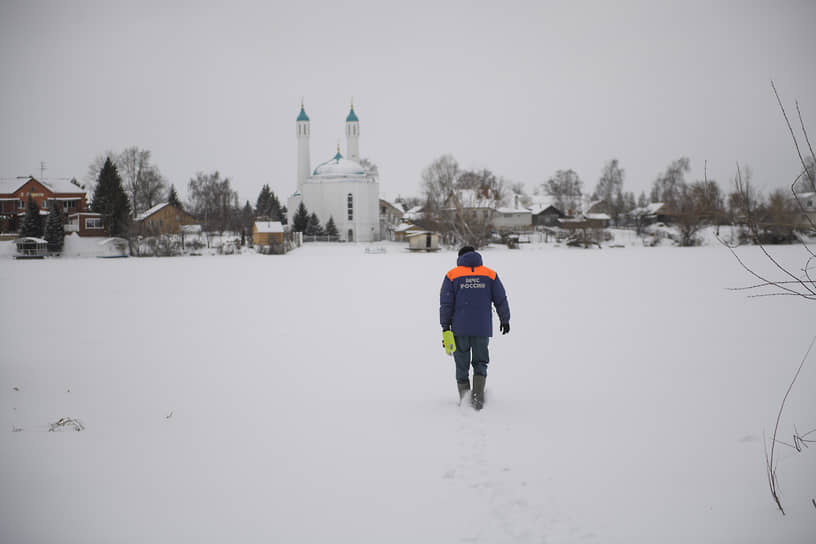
<point x="466" y="297"/>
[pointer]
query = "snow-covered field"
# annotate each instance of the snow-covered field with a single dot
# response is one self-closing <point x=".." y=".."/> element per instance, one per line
<point x="306" y="398"/>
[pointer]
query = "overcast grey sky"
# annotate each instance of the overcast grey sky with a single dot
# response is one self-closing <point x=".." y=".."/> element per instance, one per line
<point x="522" y="88"/>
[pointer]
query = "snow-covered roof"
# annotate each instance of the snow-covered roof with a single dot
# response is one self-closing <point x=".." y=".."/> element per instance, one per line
<point x="339" y="166"/>
<point x="269" y="226"/>
<point x="10" y="185"/>
<point x="392" y="204"/>
<point x="403" y="227"/>
<point x="392" y="200"/>
<point x="540" y="207"/>
<point x="597" y="216"/>
<point x="62" y="186"/>
<point x="145" y="214"/>
<point x="413" y="214"/>
<point x="517" y="211"/>
<point x="649" y="209"/>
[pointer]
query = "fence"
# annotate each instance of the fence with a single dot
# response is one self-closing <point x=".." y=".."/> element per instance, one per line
<point x="322" y="238"/>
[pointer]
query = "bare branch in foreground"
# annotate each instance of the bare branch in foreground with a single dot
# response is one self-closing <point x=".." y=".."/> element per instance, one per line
<point x="770" y="464"/>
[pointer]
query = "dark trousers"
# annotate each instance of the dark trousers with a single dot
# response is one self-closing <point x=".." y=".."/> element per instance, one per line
<point x="471" y="350"/>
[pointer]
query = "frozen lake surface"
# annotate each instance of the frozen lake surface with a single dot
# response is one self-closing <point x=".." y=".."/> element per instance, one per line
<point x="306" y="398"/>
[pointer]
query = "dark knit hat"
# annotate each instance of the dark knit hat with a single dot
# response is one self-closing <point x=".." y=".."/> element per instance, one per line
<point x="466" y="249"/>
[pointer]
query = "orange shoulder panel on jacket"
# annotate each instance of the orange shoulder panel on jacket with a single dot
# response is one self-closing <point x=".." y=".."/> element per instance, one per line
<point x="460" y="271"/>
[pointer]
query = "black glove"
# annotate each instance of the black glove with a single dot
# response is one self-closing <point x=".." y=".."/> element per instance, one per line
<point x="504" y="328"/>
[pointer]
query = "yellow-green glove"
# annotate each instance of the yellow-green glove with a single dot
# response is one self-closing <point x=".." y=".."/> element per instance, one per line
<point x="448" y="342"/>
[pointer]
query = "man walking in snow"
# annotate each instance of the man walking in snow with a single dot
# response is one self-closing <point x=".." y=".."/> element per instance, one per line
<point x="466" y="316"/>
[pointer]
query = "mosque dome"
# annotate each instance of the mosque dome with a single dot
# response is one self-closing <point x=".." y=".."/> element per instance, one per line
<point x="338" y="166"/>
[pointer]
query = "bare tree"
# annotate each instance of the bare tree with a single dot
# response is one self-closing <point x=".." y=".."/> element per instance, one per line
<point x="213" y="201"/>
<point x="518" y="190"/>
<point x="786" y="282"/>
<point x="152" y="188"/>
<point x="469" y="210"/>
<point x="696" y="205"/>
<point x="566" y="188"/>
<point x="143" y="182"/>
<point x="610" y="190"/>
<point x="806" y="184"/>
<point x="744" y="200"/>
<point x="461" y="204"/>
<point x="668" y="185"/>
<point x="439" y="181"/>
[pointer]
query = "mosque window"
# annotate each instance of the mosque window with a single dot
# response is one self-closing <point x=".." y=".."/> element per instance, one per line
<point x="350" y="202"/>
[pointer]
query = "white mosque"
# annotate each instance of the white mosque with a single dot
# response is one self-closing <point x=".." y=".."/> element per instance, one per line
<point x="340" y="188"/>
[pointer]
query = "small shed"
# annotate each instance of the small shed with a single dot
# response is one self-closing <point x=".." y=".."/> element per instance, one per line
<point x="423" y="241"/>
<point x="403" y="230"/>
<point x="31" y="248"/>
<point x="268" y="236"/>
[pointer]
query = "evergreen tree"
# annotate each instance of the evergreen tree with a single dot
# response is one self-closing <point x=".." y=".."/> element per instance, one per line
<point x="264" y="203"/>
<point x="313" y="227"/>
<point x="301" y="219"/>
<point x="111" y="201"/>
<point x="173" y="199"/>
<point x="268" y="206"/>
<point x="32" y="224"/>
<point x="247" y="219"/>
<point x="283" y="213"/>
<point x="247" y="216"/>
<point x="54" y="230"/>
<point x="331" y="228"/>
<point x="275" y="209"/>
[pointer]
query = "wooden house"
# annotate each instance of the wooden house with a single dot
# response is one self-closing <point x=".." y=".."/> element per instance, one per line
<point x="163" y="218"/>
<point x="546" y="215"/>
<point x="268" y="236"/>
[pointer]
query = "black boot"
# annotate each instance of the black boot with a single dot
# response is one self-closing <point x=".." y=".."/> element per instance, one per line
<point x="464" y="389"/>
<point x="477" y="399"/>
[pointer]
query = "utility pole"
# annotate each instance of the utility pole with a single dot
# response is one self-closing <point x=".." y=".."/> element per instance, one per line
<point x="42" y="170"/>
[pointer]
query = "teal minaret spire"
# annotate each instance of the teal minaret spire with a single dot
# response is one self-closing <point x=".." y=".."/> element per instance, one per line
<point x="352" y="135"/>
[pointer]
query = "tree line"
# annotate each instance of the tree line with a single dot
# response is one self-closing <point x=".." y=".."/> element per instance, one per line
<point x="460" y="203"/>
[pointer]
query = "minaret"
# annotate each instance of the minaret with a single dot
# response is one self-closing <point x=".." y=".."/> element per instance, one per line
<point x="352" y="135"/>
<point x="304" y="161"/>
